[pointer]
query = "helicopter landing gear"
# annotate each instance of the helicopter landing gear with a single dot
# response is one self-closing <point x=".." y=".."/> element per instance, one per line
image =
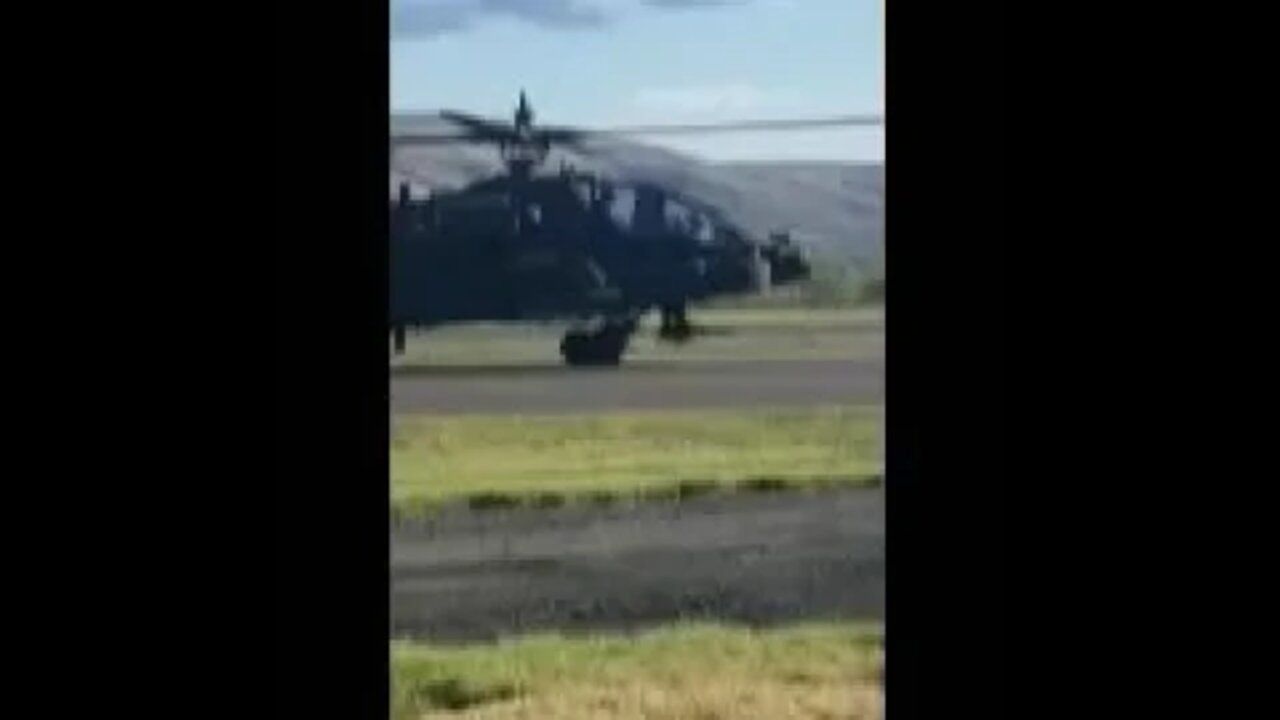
<point x="601" y="347"/>
<point x="675" y="325"/>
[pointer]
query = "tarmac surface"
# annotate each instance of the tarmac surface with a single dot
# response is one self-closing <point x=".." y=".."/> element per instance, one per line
<point x="754" y="558"/>
<point x="636" y="386"/>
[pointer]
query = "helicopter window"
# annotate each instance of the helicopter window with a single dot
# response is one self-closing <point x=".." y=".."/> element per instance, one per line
<point x="683" y="219"/>
<point x="699" y="228"/>
<point x="623" y="202"/>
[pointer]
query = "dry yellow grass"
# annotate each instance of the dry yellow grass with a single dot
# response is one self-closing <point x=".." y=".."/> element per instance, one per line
<point x="701" y="698"/>
<point x="810" y="671"/>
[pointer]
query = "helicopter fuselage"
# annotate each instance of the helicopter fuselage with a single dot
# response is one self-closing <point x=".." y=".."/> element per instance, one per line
<point x="548" y="249"/>
<point x="519" y="247"/>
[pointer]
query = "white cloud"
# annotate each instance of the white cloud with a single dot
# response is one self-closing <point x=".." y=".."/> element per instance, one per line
<point x="431" y="18"/>
<point x="690" y="4"/>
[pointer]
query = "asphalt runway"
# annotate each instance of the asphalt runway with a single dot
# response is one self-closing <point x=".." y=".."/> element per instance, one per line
<point x="758" y="559"/>
<point x="635" y="386"/>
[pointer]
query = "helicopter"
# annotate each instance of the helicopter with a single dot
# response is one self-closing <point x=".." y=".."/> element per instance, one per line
<point x="525" y="245"/>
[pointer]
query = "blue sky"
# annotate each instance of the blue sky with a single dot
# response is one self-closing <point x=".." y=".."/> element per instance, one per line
<point x="597" y="63"/>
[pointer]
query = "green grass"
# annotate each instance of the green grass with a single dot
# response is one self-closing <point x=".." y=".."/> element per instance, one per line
<point x="499" y="461"/>
<point x="738" y="334"/>
<point x="811" y="670"/>
<point x="782" y="318"/>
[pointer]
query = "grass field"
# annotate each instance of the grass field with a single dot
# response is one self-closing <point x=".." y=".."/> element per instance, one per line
<point x="682" y="672"/>
<point x="439" y="459"/>
<point x="755" y="334"/>
<point x="846" y="318"/>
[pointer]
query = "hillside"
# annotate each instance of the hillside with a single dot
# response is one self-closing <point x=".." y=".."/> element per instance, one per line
<point x="834" y="209"/>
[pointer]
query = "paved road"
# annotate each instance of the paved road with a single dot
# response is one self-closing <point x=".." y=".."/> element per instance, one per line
<point x="754" y="558"/>
<point x="636" y="386"/>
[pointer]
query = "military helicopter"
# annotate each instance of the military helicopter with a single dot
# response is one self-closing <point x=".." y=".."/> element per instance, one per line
<point x="530" y="246"/>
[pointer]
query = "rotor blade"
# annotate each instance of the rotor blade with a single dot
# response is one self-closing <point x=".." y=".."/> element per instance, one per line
<point x="746" y="125"/>
<point x="574" y="140"/>
<point x="570" y="140"/>
<point x="481" y="130"/>
<point x="407" y="139"/>
<point x="563" y="134"/>
<point x="478" y="130"/>
<point x="478" y="125"/>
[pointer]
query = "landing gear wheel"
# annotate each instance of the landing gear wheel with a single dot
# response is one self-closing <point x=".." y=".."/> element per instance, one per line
<point x="675" y="325"/>
<point x="603" y="348"/>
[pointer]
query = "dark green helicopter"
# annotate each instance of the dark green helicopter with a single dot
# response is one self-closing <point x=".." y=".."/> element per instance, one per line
<point x="530" y="246"/>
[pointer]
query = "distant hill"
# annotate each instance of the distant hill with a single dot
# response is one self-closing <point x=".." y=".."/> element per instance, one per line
<point x="835" y="209"/>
